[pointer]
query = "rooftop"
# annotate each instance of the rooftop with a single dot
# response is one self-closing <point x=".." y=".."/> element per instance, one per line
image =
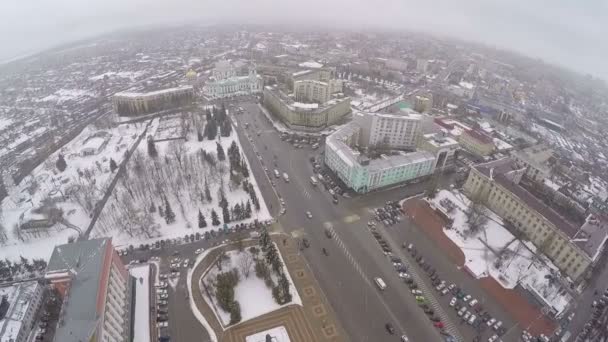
<point x="479" y="136"/>
<point x="19" y="296"/>
<point x="84" y="260"/>
<point x="125" y="94"/>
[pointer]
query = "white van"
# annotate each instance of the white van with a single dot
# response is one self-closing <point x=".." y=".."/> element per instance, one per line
<point x="472" y="319"/>
<point x="380" y="283"/>
<point x="313" y="181"/>
<point x="276" y="173"/>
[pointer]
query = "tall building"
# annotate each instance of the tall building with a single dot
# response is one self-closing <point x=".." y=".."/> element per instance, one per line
<point x="399" y="130"/>
<point x="442" y="147"/>
<point x="19" y="303"/>
<point x="476" y="142"/>
<point x="536" y="160"/>
<point x="134" y="103"/>
<point x="95" y="287"/>
<point x="316" y="91"/>
<point x="322" y="75"/>
<point x="346" y="152"/>
<point x="225" y="82"/>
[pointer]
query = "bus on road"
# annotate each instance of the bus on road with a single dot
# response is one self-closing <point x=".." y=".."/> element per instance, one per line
<point x="380" y="283"/>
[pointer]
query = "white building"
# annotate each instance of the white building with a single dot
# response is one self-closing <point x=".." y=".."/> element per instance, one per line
<point x="395" y="130"/>
<point x="316" y="91"/>
<point x="21" y="302"/>
<point x="226" y="83"/>
<point x="344" y="152"/>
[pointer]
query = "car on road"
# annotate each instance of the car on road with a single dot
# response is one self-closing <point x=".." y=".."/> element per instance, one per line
<point x="162" y="318"/>
<point x="389" y="328"/>
<point x="420" y="298"/>
<point x="493" y="338"/>
<point x="162" y="303"/>
<point x="199" y="251"/>
<point x="309" y="214"/>
<point x="329" y="233"/>
<point x="404" y="338"/>
<point x="403" y="275"/>
<point x="164" y="324"/>
<point x="417" y="292"/>
<point x="163" y="296"/>
<point x="438" y="325"/>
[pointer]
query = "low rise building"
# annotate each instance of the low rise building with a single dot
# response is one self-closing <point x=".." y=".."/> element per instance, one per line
<point x="96" y="291"/>
<point x="423" y="104"/>
<point x="135" y="103"/>
<point x="476" y="142"/>
<point x="535" y="160"/>
<point x="442" y="147"/>
<point x="226" y="82"/>
<point x="19" y="303"/>
<point x="572" y="249"/>
<point x="344" y="155"/>
<point x="305" y="116"/>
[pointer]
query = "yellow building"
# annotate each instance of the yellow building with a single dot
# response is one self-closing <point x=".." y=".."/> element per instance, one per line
<point x="476" y="142"/>
<point x="496" y="184"/>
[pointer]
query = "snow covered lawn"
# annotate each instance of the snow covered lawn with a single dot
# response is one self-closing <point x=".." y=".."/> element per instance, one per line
<point x="278" y="334"/>
<point x="141" y="326"/>
<point x="495" y="252"/>
<point x="254" y="297"/>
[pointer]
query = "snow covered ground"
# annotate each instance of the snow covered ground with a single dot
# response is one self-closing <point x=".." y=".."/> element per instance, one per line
<point x="63" y="95"/>
<point x="497" y="253"/>
<point x="141" y="326"/>
<point x="252" y="294"/>
<point x="278" y="334"/>
<point x="75" y="191"/>
<point x="182" y="184"/>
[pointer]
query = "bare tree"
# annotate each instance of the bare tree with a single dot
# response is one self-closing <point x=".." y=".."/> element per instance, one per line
<point x="476" y="217"/>
<point x="245" y="263"/>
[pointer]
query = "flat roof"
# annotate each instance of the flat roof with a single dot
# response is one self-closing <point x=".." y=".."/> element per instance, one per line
<point x="156" y="92"/>
<point x="19" y="296"/>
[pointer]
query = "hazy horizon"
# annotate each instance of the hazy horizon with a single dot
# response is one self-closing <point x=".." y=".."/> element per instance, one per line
<point x="558" y="32"/>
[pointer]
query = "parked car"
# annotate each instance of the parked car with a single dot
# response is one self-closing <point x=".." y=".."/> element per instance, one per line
<point x="453" y="301"/>
<point x="491" y="322"/>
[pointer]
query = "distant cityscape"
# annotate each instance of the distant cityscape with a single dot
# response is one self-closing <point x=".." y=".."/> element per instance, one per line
<point x="256" y="184"/>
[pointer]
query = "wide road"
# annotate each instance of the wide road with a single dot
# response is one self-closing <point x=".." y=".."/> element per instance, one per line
<point x="346" y="275"/>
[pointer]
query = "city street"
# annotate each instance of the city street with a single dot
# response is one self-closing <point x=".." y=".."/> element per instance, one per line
<point x="346" y="274"/>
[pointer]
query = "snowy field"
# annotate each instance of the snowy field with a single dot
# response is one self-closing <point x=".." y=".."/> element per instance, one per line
<point x="278" y="334"/>
<point x="141" y="326"/>
<point x="179" y="176"/>
<point x="495" y="252"/>
<point x="74" y="192"/>
<point x="63" y="95"/>
<point x="254" y="297"/>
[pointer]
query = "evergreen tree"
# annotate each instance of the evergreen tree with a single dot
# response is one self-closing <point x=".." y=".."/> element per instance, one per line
<point x="226" y="214"/>
<point x="264" y="240"/>
<point x="277" y="265"/>
<point x="152" y="208"/>
<point x="211" y="129"/>
<point x="207" y="192"/>
<point x="208" y="114"/>
<point x="284" y="285"/>
<point x="238" y="212"/>
<point x="199" y="135"/>
<point x="221" y="156"/>
<point x="244" y="169"/>
<point x="201" y="220"/>
<point x="113" y="165"/>
<point x="61" y="164"/>
<point x="214" y="219"/>
<point x="161" y="212"/>
<point x="169" y="214"/>
<point x="225" y="128"/>
<point x="248" y="209"/>
<point x="235" y="312"/>
<point x="271" y="253"/>
<point x="152" y="152"/>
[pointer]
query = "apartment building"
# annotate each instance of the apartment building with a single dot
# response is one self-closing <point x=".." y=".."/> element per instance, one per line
<point x="95" y="287"/>
<point x="442" y="147"/>
<point x="19" y="303"/>
<point x="535" y="160"/>
<point x="476" y="142"/>
<point x="316" y="91"/>
<point x="305" y="116"/>
<point x="572" y="249"/>
<point x="423" y="104"/>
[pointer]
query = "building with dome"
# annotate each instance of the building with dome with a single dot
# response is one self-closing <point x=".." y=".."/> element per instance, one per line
<point x="225" y="82"/>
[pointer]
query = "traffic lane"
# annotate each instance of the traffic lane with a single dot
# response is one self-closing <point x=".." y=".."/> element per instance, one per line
<point x="404" y="232"/>
<point x="397" y="297"/>
<point x="347" y="291"/>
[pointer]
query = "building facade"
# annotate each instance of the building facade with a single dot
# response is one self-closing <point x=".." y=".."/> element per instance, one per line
<point x="535" y="160"/>
<point x="305" y="116"/>
<point x="496" y="184"/>
<point x="423" y="104"/>
<point x="322" y="75"/>
<point x="133" y="103"/>
<point x="442" y="147"/>
<point x="226" y="83"/>
<point x="476" y="143"/>
<point x="96" y="292"/>
<point x="316" y="91"/>
<point x="399" y="130"/>
<point x="362" y="174"/>
<point x="19" y="303"/>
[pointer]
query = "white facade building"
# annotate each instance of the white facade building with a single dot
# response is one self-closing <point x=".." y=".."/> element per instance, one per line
<point x="395" y="130"/>
<point x="226" y="83"/>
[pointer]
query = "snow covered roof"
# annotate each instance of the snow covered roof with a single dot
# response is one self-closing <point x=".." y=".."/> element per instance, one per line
<point x="311" y="64"/>
<point x="183" y="88"/>
<point x="19" y="297"/>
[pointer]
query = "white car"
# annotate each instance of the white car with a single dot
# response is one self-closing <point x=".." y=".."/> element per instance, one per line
<point x="444" y="291"/>
<point x="309" y="214"/>
<point x="466" y="298"/>
<point x="417" y="292"/>
<point x="497" y="325"/>
<point x="466" y="316"/>
<point x="493" y="338"/>
<point x="199" y="251"/>
<point x="403" y="275"/>
<point x="163" y="324"/>
<point x="491" y="322"/>
<point x="186" y="262"/>
<point x="404" y="338"/>
<point x="453" y="302"/>
<point x="473" y="302"/>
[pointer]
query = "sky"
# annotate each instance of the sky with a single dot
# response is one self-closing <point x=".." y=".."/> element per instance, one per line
<point x="568" y="33"/>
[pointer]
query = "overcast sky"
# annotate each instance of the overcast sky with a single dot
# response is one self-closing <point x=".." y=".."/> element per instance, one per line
<point x="569" y="33"/>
